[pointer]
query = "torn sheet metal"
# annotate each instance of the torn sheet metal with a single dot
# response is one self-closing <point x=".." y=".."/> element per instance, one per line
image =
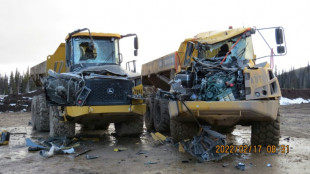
<point x="203" y="147"/>
<point x="112" y="69"/>
<point x="31" y="144"/>
<point x="47" y="154"/>
<point x="93" y="76"/>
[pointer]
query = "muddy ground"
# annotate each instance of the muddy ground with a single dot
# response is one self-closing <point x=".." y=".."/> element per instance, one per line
<point x="15" y="158"/>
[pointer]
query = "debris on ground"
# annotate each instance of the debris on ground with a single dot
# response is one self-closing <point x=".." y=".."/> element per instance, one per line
<point x="181" y="148"/>
<point x="158" y="137"/>
<point x="4" y="137"/>
<point x="141" y="152"/>
<point x="203" y="146"/>
<point x="86" y="151"/>
<point x="240" y="166"/>
<point x="150" y="162"/>
<point x="287" y="139"/>
<point x="53" y="145"/>
<point x="90" y="157"/>
<point x="269" y="165"/>
<point x="69" y="151"/>
<point x="33" y="146"/>
<point x="119" y="149"/>
<point x="225" y="164"/>
<point x="47" y="154"/>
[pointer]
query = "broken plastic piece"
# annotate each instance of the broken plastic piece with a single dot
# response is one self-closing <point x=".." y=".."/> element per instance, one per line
<point x="119" y="149"/>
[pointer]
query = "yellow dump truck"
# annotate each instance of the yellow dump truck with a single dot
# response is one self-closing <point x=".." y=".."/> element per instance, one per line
<point x="213" y="79"/>
<point x="84" y="83"/>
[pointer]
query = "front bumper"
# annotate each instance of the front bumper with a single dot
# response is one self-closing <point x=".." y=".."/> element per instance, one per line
<point x="225" y="113"/>
<point x="77" y="111"/>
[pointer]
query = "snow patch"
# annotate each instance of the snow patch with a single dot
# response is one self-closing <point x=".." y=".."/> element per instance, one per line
<point x="12" y="104"/>
<point x="287" y="101"/>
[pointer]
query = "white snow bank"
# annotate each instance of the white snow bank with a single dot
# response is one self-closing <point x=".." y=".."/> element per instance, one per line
<point x="286" y="101"/>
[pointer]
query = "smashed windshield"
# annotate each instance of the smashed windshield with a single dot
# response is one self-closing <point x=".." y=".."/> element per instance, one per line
<point x="104" y="51"/>
<point x="240" y="49"/>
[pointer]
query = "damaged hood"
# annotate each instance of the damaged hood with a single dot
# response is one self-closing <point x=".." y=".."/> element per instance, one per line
<point x="112" y="69"/>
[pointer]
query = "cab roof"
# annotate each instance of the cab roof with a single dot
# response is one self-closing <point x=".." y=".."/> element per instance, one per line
<point x="212" y="37"/>
<point x="95" y="35"/>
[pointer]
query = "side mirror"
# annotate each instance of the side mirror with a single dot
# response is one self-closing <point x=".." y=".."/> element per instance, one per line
<point x="136" y="52"/>
<point x="136" y="43"/>
<point x="280" y="49"/>
<point x="279" y="36"/>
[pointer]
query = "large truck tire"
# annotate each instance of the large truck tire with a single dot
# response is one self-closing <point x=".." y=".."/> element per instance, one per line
<point x="60" y="128"/>
<point x="148" y="116"/>
<point x="39" y="113"/>
<point x="182" y="130"/>
<point x="161" y="116"/>
<point x="101" y="126"/>
<point x="266" y="133"/>
<point x="224" y="129"/>
<point x="133" y="127"/>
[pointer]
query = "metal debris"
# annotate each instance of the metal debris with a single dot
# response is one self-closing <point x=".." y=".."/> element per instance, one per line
<point x="240" y="166"/>
<point x="225" y="164"/>
<point x="203" y="147"/>
<point x="47" y="154"/>
<point x="90" y="157"/>
<point x="69" y="151"/>
<point x="77" y="155"/>
<point x="160" y="137"/>
<point x="150" y="162"/>
<point x="141" y="152"/>
<point x="33" y="145"/>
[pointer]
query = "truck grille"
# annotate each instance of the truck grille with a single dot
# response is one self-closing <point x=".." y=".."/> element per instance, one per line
<point x="108" y="92"/>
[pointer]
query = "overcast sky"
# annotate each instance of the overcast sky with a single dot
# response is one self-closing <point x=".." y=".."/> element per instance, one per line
<point x="30" y="30"/>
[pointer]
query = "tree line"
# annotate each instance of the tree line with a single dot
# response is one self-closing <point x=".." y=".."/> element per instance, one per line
<point x="294" y="78"/>
<point x="16" y="83"/>
<point x="22" y="83"/>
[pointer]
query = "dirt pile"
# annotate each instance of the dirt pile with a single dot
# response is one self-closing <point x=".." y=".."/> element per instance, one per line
<point x="296" y="93"/>
<point x="17" y="102"/>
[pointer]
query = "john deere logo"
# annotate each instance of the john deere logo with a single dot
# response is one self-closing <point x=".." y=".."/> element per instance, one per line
<point x="110" y="91"/>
